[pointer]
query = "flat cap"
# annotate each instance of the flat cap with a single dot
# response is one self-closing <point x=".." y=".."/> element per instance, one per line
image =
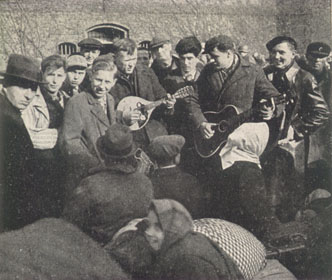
<point x="318" y="49"/>
<point x="222" y="42"/>
<point x="90" y="43"/>
<point x="166" y="147"/>
<point x="159" y="40"/>
<point x="279" y="39"/>
<point x="76" y="60"/>
<point x="243" y="48"/>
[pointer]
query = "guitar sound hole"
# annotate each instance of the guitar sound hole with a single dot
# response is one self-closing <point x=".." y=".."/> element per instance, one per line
<point x="223" y="127"/>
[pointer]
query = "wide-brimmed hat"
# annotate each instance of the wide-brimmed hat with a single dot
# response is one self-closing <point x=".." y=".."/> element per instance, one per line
<point x="23" y="67"/>
<point x="117" y="143"/>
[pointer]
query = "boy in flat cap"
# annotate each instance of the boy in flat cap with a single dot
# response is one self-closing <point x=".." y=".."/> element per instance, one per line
<point x="18" y="177"/>
<point x="169" y="181"/>
<point x="90" y="48"/>
<point x="76" y="71"/>
<point x="163" y="60"/>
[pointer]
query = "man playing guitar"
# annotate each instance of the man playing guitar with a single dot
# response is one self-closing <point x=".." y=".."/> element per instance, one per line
<point x="239" y="190"/>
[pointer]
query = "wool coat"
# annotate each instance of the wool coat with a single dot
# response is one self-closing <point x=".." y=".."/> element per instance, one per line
<point x="84" y="122"/>
<point x="243" y="89"/>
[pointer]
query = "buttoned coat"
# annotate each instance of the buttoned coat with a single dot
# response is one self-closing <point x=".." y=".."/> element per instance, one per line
<point x="84" y="122"/>
<point x="243" y="89"/>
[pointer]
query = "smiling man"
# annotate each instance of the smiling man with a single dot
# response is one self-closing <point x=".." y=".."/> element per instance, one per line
<point x="87" y="116"/>
<point x="139" y="80"/>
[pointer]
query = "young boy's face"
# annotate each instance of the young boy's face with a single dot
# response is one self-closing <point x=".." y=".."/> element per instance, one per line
<point x="54" y="78"/>
<point x="75" y="77"/>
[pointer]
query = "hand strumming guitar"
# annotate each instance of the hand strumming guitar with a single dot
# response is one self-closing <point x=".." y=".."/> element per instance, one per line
<point x="132" y="116"/>
<point x="266" y="109"/>
<point x="206" y="129"/>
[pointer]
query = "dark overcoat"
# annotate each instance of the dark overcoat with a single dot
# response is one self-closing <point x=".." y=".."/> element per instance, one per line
<point x="17" y="168"/>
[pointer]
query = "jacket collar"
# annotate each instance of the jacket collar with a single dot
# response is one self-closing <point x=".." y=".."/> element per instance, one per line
<point x="97" y="110"/>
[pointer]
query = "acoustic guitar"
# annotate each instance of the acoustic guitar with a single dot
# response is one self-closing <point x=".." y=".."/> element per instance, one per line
<point x="224" y="123"/>
<point x="146" y="107"/>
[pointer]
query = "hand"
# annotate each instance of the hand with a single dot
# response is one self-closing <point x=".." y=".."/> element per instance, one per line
<point x="170" y="101"/>
<point x="132" y="116"/>
<point x="206" y="130"/>
<point x="267" y="109"/>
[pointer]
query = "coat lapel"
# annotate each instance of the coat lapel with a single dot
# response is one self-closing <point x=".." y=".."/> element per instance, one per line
<point x="97" y="110"/>
<point x="239" y="73"/>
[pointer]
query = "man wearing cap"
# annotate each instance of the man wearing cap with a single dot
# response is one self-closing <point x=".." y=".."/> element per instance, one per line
<point x="315" y="62"/>
<point x="114" y="193"/>
<point x="17" y="194"/>
<point x="90" y="48"/>
<point x="163" y="60"/>
<point x="306" y="109"/>
<point x="169" y="181"/>
<point x="303" y="113"/>
<point x="231" y="80"/>
<point x="188" y="50"/>
<point x="76" y="70"/>
<point x="139" y="80"/>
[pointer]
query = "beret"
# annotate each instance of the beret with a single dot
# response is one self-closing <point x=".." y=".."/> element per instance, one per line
<point x="166" y="146"/>
<point x="90" y="43"/>
<point x="318" y="49"/>
<point x="279" y="39"/>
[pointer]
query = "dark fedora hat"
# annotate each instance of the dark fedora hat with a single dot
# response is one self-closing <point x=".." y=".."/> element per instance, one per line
<point x="23" y="67"/>
<point x="117" y="143"/>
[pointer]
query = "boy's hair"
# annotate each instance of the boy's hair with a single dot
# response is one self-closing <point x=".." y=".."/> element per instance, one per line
<point x="126" y="45"/>
<point x="54" y="61"/>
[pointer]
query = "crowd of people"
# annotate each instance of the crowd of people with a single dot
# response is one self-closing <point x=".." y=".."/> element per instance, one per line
<point x="176" y="164"/>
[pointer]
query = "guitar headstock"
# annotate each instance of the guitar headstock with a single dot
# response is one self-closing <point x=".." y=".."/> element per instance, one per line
<point x="184" y="92"/>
